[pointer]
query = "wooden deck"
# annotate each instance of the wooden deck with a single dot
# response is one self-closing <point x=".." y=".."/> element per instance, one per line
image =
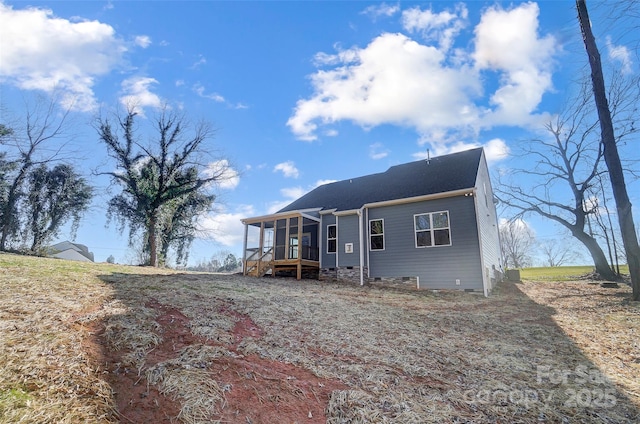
<point x="262" y="268"/>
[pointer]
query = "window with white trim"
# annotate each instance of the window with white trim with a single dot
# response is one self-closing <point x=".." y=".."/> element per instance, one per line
<point x="376" y="234"/>
<point x="332" y="238"/>
<point x="432" y="229"/>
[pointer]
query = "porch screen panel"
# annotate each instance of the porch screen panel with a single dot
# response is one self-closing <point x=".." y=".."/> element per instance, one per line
<point x="281" y="235"/>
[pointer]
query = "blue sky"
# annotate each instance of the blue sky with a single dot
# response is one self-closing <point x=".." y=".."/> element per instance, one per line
<point x="302" y="92"/>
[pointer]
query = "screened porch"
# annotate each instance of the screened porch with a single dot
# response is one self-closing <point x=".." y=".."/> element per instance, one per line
<point x="281" y="244"/>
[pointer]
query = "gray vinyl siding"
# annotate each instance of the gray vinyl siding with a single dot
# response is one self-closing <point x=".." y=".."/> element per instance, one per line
<point x="437" y="267"/>
<point x="328" y="260"/>
<point x="348" y="233"/>
<point x="487" y="223"/>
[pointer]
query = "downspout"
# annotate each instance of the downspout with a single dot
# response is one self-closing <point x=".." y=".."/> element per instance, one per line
<point x="337" y="244"/>
<point x="366" y="221"/>
<point x="320" y="236"/>
<point x="361" y="248"/>
<point x="485" y="289"/>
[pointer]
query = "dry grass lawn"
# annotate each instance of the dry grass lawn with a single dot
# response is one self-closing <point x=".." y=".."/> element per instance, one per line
<point x="79" y="342"/>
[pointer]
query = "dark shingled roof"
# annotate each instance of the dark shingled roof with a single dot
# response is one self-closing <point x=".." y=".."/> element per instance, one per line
<point x="440" y="174"/>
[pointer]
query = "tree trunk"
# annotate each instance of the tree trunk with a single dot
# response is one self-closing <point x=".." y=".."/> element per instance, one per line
<point x="7" y="215"/>
<point x="153" y="243"/>
<point x="12" y="199"/>
<point x="611" y="156"/>
<point x="598" y="256"/>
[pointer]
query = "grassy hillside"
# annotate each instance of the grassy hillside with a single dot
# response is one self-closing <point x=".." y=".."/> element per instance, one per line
<point x="560" y="273"/>
<point x="99" y="343"/>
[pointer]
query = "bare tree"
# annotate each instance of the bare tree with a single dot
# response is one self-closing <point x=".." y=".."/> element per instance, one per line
<point x="562" y="165"/>
<point x="39" y="142"/>
<point x="611" y="156"/>
<point x="604" y="224"/>
<point x="557" y="253"/>
<point x="517" y="242"/>
<point x="155" y="178"/>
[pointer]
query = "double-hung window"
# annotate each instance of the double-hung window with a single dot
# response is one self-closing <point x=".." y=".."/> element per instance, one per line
<point x="332" y="238"/>
<point x="376" y="234"/>
<point x="432" y="229"/>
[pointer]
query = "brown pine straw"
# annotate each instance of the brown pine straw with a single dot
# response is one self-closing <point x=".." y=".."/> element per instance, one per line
<point x="532" y="352"/>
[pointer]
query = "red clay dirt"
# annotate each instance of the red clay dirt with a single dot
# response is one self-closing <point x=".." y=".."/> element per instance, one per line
<point x="257" y="390"/>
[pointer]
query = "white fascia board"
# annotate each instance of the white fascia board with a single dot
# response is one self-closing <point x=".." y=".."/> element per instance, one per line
<point x="257" y="219"/>
<point x="310" y="210"/>
<point x="444" y="195"/>
<point x="327" y="212"/>
<point x="313" y="218"/>
<point x="349" y="212"/>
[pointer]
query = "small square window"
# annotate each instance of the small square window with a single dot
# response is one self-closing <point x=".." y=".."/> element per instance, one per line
<point x="432" y="229"/>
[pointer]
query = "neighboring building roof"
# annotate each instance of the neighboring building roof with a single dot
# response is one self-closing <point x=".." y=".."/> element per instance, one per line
<point x="72" y="251"/>
<point x="440" y="174"/>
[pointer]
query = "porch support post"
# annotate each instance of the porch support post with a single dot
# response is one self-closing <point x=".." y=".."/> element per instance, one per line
<point x="261" y="248"/>
<point x="244" y="249"/>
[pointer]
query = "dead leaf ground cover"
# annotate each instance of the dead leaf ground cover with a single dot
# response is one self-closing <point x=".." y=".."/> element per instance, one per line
<point x="103" y="343"/>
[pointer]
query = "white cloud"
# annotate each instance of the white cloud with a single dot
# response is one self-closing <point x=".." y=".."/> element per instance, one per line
<point x="507" y="41"/>
<point x="288" y="169"/>
<point x="198" y="63"/>
<point x="442" y="27"/>
<point x="331" y="132"/>
<point x="180" y="83"/>
<point x="293" y="193"/>
<point x="594" y="203"/>
<point x="290" y="194"/>
<point x="224" y="226"/>
<point x="435" y="89"/>
<point x="378" y="151"/>
<point x="620" y="54"/>
<point x="341" y="57"/>
<point x="43" y="52"/>
<point x="323" y="182"/>
<point x="227" y="177"/>
<point x="384" y="9"/>
<point x="395" y="80"/>
<point x="518" y="226"/>
<point x="199" y="90"/>
<point x="143" y="41"/>
<point x="137" y="94"/>
<point x="494" y="150"/>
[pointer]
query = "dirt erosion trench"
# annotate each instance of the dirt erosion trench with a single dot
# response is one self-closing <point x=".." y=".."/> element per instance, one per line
<point x="241" y="388"/>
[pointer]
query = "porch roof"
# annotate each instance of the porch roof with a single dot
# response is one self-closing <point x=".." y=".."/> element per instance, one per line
<point x="305" y="213"/>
